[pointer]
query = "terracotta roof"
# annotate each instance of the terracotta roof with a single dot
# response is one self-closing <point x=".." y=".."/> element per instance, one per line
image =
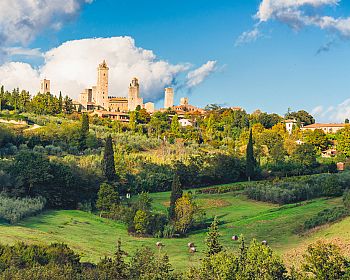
<point x="319" y="125"/>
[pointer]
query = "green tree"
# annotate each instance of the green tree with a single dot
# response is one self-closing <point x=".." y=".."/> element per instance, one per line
<point x="305" y="155"/>
<point x="250" y="160"/>
<point x="68" y="105"/>
<point x="107" y="198"/>
<point x="212" y="240"/>
<point x="175" y="126"/>
<point x="318" y="139"/>
<point x="325" y="261"/>
<point x="176" y="193"/>
<point x="84" y="131"/>
<point x="185" y="210"/>
<point x="141" y="221"/>
<point x="343" y="137"/>
<point x="108" y="160"/>
<point x="346" y="199"/>
<point x="132" y="121"/>
<point x="60" y="102"/>
<point x="32" y="169"/>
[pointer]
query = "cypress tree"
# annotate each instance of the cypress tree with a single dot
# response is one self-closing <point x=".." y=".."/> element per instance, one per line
<point x="60" y="103"/>
<point x="84" y="131"/>
<point x="176" y="193"/>
<point x="250" y="160"/>
<point x="212" y="240"/>
<point x="108" y="160"/>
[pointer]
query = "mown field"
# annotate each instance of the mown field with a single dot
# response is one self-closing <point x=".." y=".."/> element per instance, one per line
<point x="94" y="237"/>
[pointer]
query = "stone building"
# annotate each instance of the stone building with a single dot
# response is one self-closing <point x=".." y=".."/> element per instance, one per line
<point x="149" y="106"/>
<point x="118" y="104"/>
<point x="169" y="98"/>
<point x="101" y="97"/>
<point x="45" y="86"/>
<point x="134" y="98"/>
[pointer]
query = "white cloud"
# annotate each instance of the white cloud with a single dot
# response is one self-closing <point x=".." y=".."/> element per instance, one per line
<point x="72" y="66"/>
<point x="248" y="37"/>
<point x="198" y="75"/>
<point x="337" y="113"/>
<point x="23" y="52"/>
<point x="22" y="20"/>
<point x="294" y="14"/>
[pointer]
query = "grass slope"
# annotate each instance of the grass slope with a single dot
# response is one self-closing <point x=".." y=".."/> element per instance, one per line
<point x="95" y="237"/>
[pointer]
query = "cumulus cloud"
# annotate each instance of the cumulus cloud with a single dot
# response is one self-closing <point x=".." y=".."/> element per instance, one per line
<point x="72" y="66"/>
<point x="301" y="13"/>
<point x="22" y="20"/>
<point x="248" y="37"/>
<point x="198" y="75"/>
<point x="337" y="113"/>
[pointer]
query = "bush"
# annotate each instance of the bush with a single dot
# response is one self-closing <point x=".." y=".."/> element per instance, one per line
<point x="297" y="189"/>
<point x="326" y="216"/>
<point x="15" y="209"/>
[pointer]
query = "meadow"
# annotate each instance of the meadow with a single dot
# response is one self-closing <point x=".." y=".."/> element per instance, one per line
<point x="94" y="237"/>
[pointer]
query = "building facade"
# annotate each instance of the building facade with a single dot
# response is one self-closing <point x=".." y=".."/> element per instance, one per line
<point x="327" y="128"/>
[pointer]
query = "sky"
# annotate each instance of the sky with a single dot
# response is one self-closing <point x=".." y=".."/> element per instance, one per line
<point x="256" y="54"/>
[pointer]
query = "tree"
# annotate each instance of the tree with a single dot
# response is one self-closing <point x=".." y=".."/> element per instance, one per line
<point x="68" y="105"/>
<point x="32" y="169"/>
<point x="84" y="131"/>
<point x="185" y="209"/>
<point x="325" y="261"/>
<point x="317" y="138"/>
<point x="60" y="102"/>
<point x="141" y="221"/>
<point x="346" y="199"/>
<point x="301" y="116"/>
<point x="212" y="240"/>
<point x="175" y="126"/>
<point x="176" y="193"/>
<point x="132" y="121"/>
<point x="347" y="121"/>
<point x="250" y="160"/>
<point x="343" y="145"/>
<point x="305" y="155"/>
<point x="107" y="197"/>
<point x="108" y="160"/>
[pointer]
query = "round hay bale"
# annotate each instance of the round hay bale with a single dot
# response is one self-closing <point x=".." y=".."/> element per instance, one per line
<point x="193" y="250"/>
<point x="190" y="244"/>
<point x="234" y="237"/>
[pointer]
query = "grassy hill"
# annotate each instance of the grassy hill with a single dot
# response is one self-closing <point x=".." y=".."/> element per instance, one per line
<point x="94" y="237"/>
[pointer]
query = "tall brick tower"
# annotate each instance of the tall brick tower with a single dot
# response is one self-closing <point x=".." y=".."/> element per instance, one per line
<point x="169" y="98"/>
<point x="102" y="85"/>
<point x="45" y="86"/>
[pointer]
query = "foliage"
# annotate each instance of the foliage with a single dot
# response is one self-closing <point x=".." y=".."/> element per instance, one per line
<point x="15" y="209"/>
<point x="176" y="193"/>
<point x="326" y="216"/>
<point x="250" y="160"/>
<point x="185" y="211"/>
<point x="346" y="199"/>
<point x="108" y="160"/>
<point x="305" y="155"/>
<point x="212" y="240"/>
<point x="107" y="198"/>
<point x="325" y="261"/>
<point x="141" y="222"/>
<point x="293" y="190"/>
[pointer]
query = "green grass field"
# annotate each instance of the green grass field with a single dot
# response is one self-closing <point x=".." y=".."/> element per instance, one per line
<point x="95" y="237"/>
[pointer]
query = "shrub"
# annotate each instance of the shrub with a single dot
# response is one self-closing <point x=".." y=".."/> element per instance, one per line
<point x="15" y="209"/>
<point x="326" y="216"/>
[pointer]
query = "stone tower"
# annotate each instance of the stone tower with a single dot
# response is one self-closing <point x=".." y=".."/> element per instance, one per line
<point x="134" y="99"/>
<point x="169" y="98"/>
<point x="184" y="101"/>
<point x="45" y="86"/>
<point x="101" y="98"/>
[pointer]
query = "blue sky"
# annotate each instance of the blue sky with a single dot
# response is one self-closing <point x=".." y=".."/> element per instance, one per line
<point x="277" y="70"/>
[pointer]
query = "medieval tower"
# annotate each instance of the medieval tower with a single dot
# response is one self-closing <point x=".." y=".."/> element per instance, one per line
<point x="134" y="99"/>
<point x="169" y="98"/>
<point x="101" y="91"/>
<point x="45" y="86"/>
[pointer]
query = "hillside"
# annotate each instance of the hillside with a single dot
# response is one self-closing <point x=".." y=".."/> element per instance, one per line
<point x="94" y="237"/>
